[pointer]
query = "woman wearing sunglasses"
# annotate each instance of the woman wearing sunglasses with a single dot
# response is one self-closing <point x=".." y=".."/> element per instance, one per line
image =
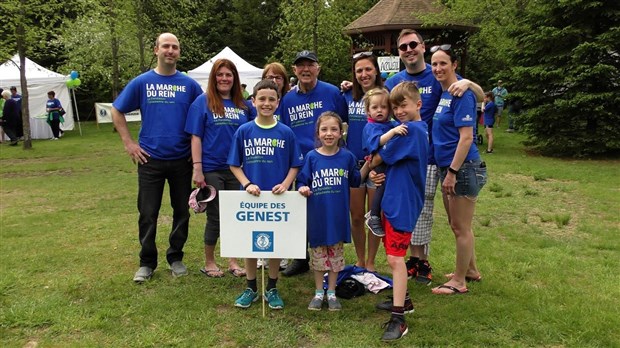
<point x="462" y="172"/>
<point x="367" y="76"/>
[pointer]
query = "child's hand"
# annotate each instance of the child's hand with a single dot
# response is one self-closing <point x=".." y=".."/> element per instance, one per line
<point x="305" y="191"/>
<point x="400" y="129"/>
<point x="278" y="189"/>
<point x="253" y="189"/>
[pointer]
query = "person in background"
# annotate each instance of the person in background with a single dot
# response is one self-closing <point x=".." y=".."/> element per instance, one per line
<point x="489" y="119"/>
<point x="1" y="113"/>
<point x="277" y="73"/>
<point x="10" y="117"/>
<point x="244" y="91"/>
<point x="500" y="94"/>
<point x="19" y="127"/>
<point x="54" y="118"/>
<point x="162" y="152"/>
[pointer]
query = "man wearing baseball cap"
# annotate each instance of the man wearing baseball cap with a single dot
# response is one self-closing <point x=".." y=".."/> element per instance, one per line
<point x="300" y="109"/>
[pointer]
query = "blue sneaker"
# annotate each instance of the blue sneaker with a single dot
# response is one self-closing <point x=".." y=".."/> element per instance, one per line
<point x="274" y="299"/>
<point x="246" y="298"/>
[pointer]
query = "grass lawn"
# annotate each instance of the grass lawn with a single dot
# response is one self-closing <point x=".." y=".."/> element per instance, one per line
<point x="547" y="245"/>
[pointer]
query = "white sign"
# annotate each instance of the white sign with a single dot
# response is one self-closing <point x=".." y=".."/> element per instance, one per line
<point x="269" y="226"/>
<point x="389" y="64"/>
<point x="104" y="114"/>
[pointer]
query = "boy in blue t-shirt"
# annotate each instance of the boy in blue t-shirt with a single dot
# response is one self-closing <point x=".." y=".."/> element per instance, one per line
<point x="489" y="118"/>
<point x="266" y="167"/>
<point x="406" y="157"/>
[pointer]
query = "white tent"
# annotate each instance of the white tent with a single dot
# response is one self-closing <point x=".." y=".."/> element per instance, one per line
<point x="40" y="81"/>
<point x="248" y="73"/>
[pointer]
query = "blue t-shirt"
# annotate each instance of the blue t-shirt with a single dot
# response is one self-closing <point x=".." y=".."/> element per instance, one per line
<point x="266" y="154"/>
<point x="357" y="121"/>
<point x="372" y="135"/>
<point x="453" y="113"/>
<point x="329" y="178"/>
<point x="489" y="113"/>
<point x="163" y="102"/>
<point x="406" y="158"/>
<point x="216" y="131"/>
<point x="430" y="92"/>
<point x="52" y="104"/>
<point x="301" y="110"/>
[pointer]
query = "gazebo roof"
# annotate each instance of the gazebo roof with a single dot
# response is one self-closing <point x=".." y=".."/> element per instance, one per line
<point x="396" y="14"/>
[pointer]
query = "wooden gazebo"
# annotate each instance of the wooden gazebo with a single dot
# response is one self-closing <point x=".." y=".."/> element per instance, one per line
<point x="378" y="29"/>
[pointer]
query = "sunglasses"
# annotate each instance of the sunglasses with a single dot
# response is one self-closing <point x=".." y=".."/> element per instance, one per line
<point x="445" y="47"/>
<point x="362" y="55"/>
<point x="412" y="45"/>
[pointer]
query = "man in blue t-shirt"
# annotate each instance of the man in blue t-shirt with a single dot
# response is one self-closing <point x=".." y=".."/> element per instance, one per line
<point x="162" y="152"/>
<point x="500" y="93"/>
<point x="300" y="109"/>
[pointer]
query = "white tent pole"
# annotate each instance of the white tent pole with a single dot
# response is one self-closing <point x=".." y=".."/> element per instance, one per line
<point x="76" y="110"/>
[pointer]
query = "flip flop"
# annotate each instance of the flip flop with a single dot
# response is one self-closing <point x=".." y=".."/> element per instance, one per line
<point x="467" y="278"/>
<point x="237" y="272"/>
<point x="212" y="273"/>
<point x="454" y="291"/>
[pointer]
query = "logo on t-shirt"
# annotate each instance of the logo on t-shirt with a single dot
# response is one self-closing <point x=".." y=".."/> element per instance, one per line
<point x="304" y="111"/>
<point x="162" y="90"/>
<point x="467" y="118"/>
<point x="328" y="180"/>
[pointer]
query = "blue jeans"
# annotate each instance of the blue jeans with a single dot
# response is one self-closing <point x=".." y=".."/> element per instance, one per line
<point x="470" y="179"/>
<point x="152" y="177"/>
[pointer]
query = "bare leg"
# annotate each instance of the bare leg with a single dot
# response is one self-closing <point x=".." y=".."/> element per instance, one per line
<point x="358" y="230"/>
<point x="373" y="241"/>
<point x="399" y="275"/>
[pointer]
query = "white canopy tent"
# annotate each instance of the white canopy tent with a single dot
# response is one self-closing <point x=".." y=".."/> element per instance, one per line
<point x="248" y="73"/>
<point x="40" y="81"/>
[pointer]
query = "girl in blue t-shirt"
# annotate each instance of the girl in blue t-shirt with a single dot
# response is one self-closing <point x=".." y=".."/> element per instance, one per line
<point x="54" y="119"/>
<point x="326" y="178"/>
<point x="489" y="118"/>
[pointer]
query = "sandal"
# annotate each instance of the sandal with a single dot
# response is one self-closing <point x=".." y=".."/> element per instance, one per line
<point x="453" y="290"/>
<point x="212" y="273"/>
<point x="237" y="272"/>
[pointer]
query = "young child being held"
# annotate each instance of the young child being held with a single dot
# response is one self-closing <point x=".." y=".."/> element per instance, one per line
<point x="377" y="132"/>
<point x="405" y="176"/>
<point x="326" y="177"/>
<point x="264" y="170"/>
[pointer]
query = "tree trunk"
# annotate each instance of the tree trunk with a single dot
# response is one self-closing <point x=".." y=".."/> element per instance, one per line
<point x="21" y="50"/>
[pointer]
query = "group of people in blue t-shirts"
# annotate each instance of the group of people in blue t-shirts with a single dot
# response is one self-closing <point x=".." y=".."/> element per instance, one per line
<point x="334" y="148"/>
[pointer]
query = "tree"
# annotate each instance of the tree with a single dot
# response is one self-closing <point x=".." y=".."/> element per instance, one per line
<point x="566" y="67"/>
<point x="317" y="25"/>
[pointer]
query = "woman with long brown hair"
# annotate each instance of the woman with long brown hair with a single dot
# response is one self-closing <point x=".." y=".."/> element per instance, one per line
<point x="212" y="120"/>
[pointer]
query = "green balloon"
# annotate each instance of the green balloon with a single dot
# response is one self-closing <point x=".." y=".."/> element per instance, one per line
<point x="76" y="82"/>
<point x="69" y="83"/>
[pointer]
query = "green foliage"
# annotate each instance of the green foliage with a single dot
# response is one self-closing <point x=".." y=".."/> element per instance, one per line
<point x="566" y="66"/>
<point x="317" y="25"/>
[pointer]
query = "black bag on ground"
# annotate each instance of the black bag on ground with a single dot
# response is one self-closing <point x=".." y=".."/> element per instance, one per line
<point x="350" y="288"/>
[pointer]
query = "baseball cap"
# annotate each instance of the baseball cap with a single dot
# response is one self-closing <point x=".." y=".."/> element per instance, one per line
<point x="199" y="198"/>
<point x="305" y="54"/>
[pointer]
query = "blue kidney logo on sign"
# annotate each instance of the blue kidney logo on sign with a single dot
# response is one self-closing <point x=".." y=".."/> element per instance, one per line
<point x="263" y="241"/>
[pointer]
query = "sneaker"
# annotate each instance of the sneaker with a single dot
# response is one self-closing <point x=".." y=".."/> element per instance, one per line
<point x="395" y="329"/>
<point x="143" y="274"/>
<point x="283" y="264"/>
<point x="178" y="269"/>
<point x="316" y="303"/>
<point x="412" y="268"/>
<point x="274" y="299"/>
<point x="387" y="305"/>
<point x="374" y="225"/>
<point x="489" y="151"/>
<point x="262" y="262"/>
<point x="333" y="303"/>
<point x="246" y="298"/>
<point x="425" y="275"/>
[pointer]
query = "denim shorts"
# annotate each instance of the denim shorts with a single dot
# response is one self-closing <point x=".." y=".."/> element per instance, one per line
<point x="470" y="179"/>
<point x="368" y="183"/>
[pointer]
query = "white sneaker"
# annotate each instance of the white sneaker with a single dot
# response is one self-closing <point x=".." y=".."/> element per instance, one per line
<point x="262" y="262"/>
<point x="283" y="264"/>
